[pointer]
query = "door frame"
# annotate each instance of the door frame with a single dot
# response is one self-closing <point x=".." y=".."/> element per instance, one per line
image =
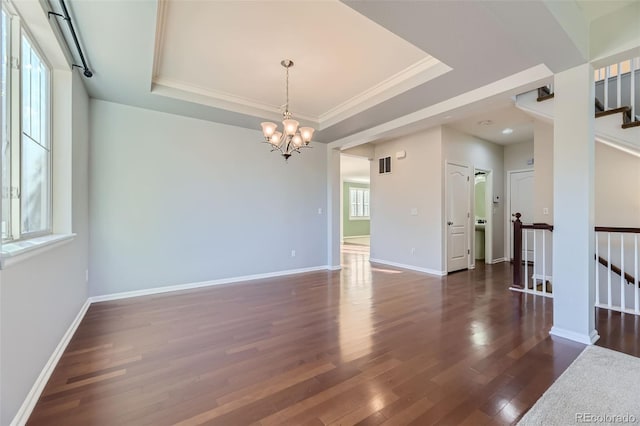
<point x="488" y="227"/>
<point x="445" y="218"/>
<point x="507" y="212"/>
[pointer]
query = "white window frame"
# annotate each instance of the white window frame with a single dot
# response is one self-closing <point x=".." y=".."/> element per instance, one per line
<point x="16" y="31"/>
<point x="359" y="204"/>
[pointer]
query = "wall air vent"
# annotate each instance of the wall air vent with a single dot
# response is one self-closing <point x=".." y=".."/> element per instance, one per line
<point x="384" y="165"/>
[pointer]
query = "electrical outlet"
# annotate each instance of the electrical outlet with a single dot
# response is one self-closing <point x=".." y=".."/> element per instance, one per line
<point x="545" y="210"/>
<point x="293" y="253"/>
<point x="413" y="251"/>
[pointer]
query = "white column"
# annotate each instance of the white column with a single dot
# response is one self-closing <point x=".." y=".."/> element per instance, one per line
<point x="333" y="208"/>
<point x="573" y="197"/>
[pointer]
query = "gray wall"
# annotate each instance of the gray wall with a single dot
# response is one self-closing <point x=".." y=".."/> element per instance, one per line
<point x="466" y="149"/>
<point x="176" y="200"/>
<point x="41" y="295"/>
<point x="543" y="172"/>
<point x="415" y="182"/>
<point x="516" y="156"/>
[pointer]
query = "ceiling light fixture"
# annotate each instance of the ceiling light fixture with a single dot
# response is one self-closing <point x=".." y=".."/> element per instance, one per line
<point x="291" y="139"/>
<point x="507" y="131"/>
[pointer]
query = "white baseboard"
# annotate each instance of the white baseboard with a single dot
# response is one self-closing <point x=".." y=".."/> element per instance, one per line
<point x="36" y="390"/>
<point x="410" y="267"/>
<point x="498" y="260"/>
<point x="355" y="236"/>
<point x="189" y="286"/>
<point x="334" y="267"/>
<point x="587" y="339"/>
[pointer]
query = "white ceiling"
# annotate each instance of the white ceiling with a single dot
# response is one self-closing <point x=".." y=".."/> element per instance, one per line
<point x="355" y="169"/>
<point x="341" y="50"/>
<point x="341" y="58"/>
<point x="501" y="117"/>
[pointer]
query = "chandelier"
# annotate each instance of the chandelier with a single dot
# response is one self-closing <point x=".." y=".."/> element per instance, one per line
<point x="292" y="138"/>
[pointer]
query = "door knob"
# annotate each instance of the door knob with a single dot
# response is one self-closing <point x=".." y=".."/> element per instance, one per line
<point x="449" y="223"/>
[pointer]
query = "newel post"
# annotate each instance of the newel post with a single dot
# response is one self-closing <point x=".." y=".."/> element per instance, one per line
<point x="517" y="251"/>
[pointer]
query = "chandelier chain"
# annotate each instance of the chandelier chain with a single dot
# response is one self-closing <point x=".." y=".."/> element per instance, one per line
<point x="286" y="107"/>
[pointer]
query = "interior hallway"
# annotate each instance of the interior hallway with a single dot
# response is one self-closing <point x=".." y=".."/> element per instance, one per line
<point x="368" y="344"/>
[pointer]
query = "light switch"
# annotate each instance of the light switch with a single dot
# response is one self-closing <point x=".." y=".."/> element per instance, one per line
<point x="414" y="211"/>
<point x="545" y="210"/>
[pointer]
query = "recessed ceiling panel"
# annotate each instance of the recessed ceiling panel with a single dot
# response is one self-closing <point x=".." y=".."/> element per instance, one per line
<point x="228" y="53"/>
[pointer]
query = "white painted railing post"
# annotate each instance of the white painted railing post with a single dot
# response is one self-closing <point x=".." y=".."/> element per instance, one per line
<point x="623" y="305"/>
<point x="632" y="86"/>
<point x="526" y="261"/>
<point x="609" y="268"/>
<point x="535" y="260"/>
<point x="619" y="86"/>
<point x="544" y="261"/>
<point x="597" y="270"/>
<point x="635" y="275"/>
<point x="606" y="88"/>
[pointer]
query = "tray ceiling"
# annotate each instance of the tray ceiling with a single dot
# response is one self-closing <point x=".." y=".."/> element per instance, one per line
<point x="227" y="55"/>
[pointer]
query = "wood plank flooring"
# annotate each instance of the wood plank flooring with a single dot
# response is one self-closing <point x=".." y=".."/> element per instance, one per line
<point x="367" y="345"/>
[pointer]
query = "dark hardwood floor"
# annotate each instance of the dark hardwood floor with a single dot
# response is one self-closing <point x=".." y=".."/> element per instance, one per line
<point x="366" y="345"/>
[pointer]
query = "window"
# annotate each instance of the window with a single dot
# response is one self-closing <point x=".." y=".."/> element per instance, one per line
<point x="26" y="141"/>
<point x="359" y="198"/>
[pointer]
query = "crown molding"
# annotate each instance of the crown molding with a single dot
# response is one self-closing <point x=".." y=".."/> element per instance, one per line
<point x="412" y="76"/>
<point x="217" y="99"/>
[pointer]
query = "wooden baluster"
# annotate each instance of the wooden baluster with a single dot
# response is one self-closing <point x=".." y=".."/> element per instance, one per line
<point x="517" y="251"/>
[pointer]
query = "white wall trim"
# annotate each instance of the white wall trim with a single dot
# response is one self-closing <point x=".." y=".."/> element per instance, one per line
<point x="355" y="236"/>
<point x="189" y="286"/>
<point x="410" y="267"/>
<point x="587" y="339"/>
<point x="36" y="390"/>
<point x="498" y="260"/>
<point x="334" y="267"/>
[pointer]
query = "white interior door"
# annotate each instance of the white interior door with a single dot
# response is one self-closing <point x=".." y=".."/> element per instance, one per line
<point x="521" y="201"/>
<point x="458" y="198"/>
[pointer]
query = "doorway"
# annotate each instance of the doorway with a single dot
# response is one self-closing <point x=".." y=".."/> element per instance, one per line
<point x="458" y="217"/>
<point x="520" y="192"/>
<point x="355" y="203"/>
<point x="482" y="229"/>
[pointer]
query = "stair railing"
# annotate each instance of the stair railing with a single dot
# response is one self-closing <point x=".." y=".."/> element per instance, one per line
<point x="537" y="236"/>
<point x="617" y="255"/>
<point x="619" y="78"/>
